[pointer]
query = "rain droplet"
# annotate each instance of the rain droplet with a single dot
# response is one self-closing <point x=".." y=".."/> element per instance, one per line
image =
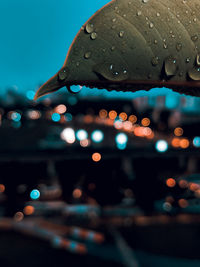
<point x="151" y="25"/>
<point x="194" y="38"/>
<point x="114" y="20"/>
<point x="165" y="46"/>
<point x="187" y="60"/>
<point x="75" y="89"/>
<point x="178" y="47"/>
<point x="155" y="41"/>
<point x="93" y="35"/>
<point x="194" y="74"/>
<point x="158" y="14"/>
<point x="195" y="19"/>
<point x="63" y="74"/>
<point x="111" y="72"/>
<point x="139" y="13"/>
<point x="89" y="28"/>
<point x="121" y="34"/>
<point x="145" y="1"/>
<point x="112" y="48"/>
<point x="87" y="55"/>
<point x="155" y="61"/>
<point x="198" y="60"/>
<point x="171" y="66"/>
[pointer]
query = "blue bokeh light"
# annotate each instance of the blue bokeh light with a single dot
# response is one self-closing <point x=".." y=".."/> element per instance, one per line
<point x="35" y="194"/>
<point x="196" y="141"/>
<point x="30" y="94"/>
<point x="15" y="116"/>
<point x="55" y="117"/>
<point x="81" y="135"/>
<point x="121" y="139"/>
<point x="97" y="136"/>
<point x="161" y="146"/>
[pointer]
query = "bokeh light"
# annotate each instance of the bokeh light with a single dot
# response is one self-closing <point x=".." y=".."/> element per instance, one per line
<point x="68" y="135"/>
<point x="112" y="114"/>
<point x="29" y="210"/>
<point x="196" y="141"/>
<point x="121" y="138"/>
<point x="2" y="188"/>
<point x="170" y="182"/>
<point x="161" y="146"/>
<point x="35" y="194"/>
<point x="97" y="136"/>
<point x="77" y="193"/>
<point x="61" y="109"/>
<point x="81" y="135"/>
<point x="184" y="143"/>
<point x="145" y="122"/>
<point x="55" y="117"/>
<point x="30" y="95"/>
<point x="15" y="116"/>
<point x="96" y="157"/>
<point x="178" y="131"/>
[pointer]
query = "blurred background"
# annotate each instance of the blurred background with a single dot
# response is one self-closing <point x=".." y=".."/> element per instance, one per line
<point x="96" y="178"/>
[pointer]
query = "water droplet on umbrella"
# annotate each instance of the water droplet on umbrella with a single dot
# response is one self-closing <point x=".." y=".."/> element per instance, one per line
<point x="63" y="74"/>
<point x="111" y="72"/>
<point x="194" y="38"/>
<point x="151" y="25"/>
<point x="121" y="34"/>
<point x="187" y="60"/>
<point x="155" y="61"/>
<point x="165" y="46"/>
<point x="178" y="47"/>
<point x="93" y="35"/>
<point x="171" y="66"/>
<point x="89" y="28"/>
<point x="194" y="74"/>
<point x="87" y="55"/>
<point x="75" y="89"/>
<point x="198" y="60"/>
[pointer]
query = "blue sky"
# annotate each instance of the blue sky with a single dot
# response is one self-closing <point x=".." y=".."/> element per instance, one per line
<point x="35" y="38"/>
<point x="36" y="35"/>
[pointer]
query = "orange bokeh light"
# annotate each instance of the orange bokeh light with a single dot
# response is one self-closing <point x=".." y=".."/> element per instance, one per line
<point x="96" y="157"/>
<point x="123" y="116"/>
<point x="103" y="113"/>
<point x="183" y="203"/>
<point x="170" y="182"/>
<point x="184" y="143"/>
<point x="77" y="193"/>
<point x="178" y="131"/>
<point x="112" y="114"/>
<point x="183" y="183"/>
<point x="145" y="122"/>
<point x="2" y="188"/>
<point x="132" y="118"/>
<point x="175" y="142"/>
<point x="29" y="210"/>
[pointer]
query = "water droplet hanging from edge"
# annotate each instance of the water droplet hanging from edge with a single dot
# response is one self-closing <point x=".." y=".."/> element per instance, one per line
<point x="194" y="74"/>
<point x="171" y="66"/>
